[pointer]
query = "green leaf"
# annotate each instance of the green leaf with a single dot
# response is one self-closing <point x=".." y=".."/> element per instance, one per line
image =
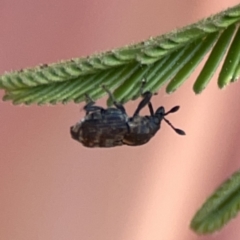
<point x="214" y="59"/>
<point x="219" y="208"/>
<point x="236" y="74"/>
<point x="231" y="62"/>
<point x="191" y="62"/>
<point x="170" y="57"/>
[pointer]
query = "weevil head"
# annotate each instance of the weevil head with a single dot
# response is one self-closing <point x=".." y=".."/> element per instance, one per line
<point x="160" y="114"/>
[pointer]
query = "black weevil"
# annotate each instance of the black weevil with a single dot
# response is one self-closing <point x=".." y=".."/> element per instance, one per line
<point x="112" y="127"/>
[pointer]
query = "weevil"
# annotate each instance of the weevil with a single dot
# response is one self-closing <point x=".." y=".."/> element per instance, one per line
<point x="112" y="127"/>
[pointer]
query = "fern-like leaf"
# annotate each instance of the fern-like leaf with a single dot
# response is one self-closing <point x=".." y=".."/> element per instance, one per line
<point x="168" y="58"/>
<point x="219" y="208"/>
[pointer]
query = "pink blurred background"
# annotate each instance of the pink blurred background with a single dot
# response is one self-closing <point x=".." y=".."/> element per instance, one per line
<point x="53" y="188"/>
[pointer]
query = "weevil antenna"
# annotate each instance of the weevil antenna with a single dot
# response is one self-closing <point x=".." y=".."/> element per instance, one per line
<point x="174" y="109"/>
<point x="178" y="131"/>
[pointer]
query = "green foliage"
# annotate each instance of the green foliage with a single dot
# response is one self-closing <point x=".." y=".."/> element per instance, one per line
<point x="168" y="58"/>
<point x="219" y="208"/>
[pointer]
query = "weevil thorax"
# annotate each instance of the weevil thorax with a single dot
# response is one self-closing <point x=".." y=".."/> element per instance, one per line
<point x="142" y="129"/>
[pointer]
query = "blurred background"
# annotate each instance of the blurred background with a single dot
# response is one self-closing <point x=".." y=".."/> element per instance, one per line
<point x="51" y="187"/>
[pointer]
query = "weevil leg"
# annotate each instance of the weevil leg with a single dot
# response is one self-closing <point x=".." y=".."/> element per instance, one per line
<point x="149" y="95"/>
<point x="142" y="87"/>
<point x="88" y="98"/>
<point x="116" y="104"/>
<point x="145" y="101"/>
<point x="89" y="106"/>
<point x="119" y="106"/>
<point x="151" y="109"/>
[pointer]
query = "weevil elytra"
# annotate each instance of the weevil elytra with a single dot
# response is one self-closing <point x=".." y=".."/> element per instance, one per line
<point x="101" y="127"/>
<point x="112" y="127"/>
